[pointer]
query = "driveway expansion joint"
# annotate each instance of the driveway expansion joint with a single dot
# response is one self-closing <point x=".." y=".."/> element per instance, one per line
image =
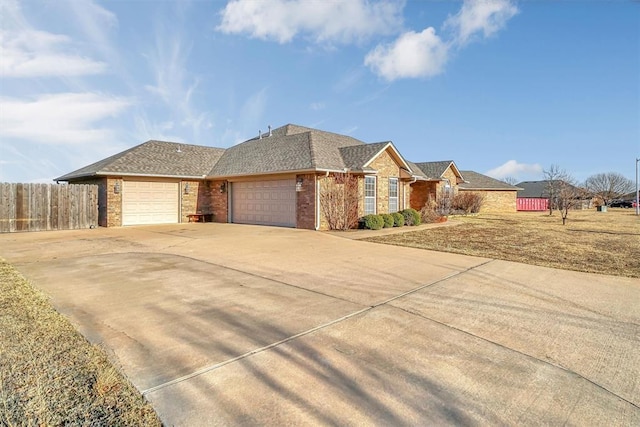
<point x="303" y="333"/>
<point x="526" y="355"/>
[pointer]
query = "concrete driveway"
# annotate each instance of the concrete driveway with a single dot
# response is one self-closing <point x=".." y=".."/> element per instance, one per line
<point x="221" y="324"/>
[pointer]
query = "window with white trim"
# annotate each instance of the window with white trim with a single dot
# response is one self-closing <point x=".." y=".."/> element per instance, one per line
<point x="369" y="195"/>
<point x="393" y="195"/>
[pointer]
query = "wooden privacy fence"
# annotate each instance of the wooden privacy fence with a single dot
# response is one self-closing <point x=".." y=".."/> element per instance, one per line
<point x="40" y="207"/>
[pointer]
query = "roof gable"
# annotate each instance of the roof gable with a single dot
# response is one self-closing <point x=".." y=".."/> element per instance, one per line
<point x="154" y="158"/>
<point x="436" y="170"/>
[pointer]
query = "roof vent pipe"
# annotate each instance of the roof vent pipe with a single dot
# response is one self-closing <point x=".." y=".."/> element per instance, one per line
<point x="259" y="134"/>
<point x="269" y="130"/>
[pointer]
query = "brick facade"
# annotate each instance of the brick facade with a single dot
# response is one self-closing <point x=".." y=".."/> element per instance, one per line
<point x="114" y="203"/>
<point x="306" y="201"/>
<point x="387" y="168"/>
<point x="497" y="200"/>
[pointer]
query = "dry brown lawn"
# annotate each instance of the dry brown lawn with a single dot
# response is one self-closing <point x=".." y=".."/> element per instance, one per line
<point x="49" y="374"/>
<point x="594" y="242"/>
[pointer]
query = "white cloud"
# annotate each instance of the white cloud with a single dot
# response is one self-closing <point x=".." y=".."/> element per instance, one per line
<point x="323" y="21"/>
<point x="480" y="16"/>
<point x="32" y="53"/>
<point x="514" y="169"/>
<point x="411" y="55"/>
<point x="317" y="106"/>
<point x="64" y="118"/>
<point x="426" y="54"/>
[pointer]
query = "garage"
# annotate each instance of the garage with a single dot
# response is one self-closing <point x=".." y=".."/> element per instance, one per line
<point x="150" y="202"/>
<point x="267" y="202"/>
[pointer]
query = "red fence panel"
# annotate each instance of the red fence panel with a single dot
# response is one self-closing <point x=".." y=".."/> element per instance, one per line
<point x="532" y="204"/>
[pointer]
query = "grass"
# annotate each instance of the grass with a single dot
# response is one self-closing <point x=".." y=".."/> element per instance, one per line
<point x="594" y="242"/>
<point x="51" y="375"/>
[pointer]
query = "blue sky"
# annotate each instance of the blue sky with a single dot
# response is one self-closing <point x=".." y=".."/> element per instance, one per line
<point x="501" y="87"/>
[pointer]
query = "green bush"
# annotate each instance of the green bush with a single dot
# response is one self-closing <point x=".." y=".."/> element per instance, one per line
<point x="372" y="222"/>
<point x="398" y="219"/>
<point x="411" y="216"/>
<point x="388" y="220"/>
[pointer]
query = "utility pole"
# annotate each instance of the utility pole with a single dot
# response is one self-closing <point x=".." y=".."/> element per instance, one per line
<point x="637" y="190"/>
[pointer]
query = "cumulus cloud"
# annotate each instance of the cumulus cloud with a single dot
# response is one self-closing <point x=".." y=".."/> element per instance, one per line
<point x="425" y="54"/>
<point x="514" y="169"/>
<point x="411" y="55"/>
<point x="480" y="16"/>
<point x="64" y="118"/>
<point x="323" y="21"/>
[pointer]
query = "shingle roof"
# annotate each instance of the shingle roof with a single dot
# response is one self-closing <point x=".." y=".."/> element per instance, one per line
<point x="537" y="189"/>
<point x="356" y="156"/>
<point x="155" y="158"/>
<point x="294" y="148"/>
<point x="416" y="171"/>
<point x="478" y="181"/>
<point x="288" y="148"/>
<point x="434" y="170"/>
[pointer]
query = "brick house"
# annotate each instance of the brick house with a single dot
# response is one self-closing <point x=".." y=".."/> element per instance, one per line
<point x="436" y="180"/>
<point x="498" y="196"/>
<point x="275" y="178"/>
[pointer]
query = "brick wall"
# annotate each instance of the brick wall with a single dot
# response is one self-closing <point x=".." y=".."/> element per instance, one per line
<point x="114" y="203"/>
<point x="189" y="200"/>
<point x="216" y="201"/>
<point x="497" y="201"/>
<point x="306" y="202"/>
<point x="420" y="192"/>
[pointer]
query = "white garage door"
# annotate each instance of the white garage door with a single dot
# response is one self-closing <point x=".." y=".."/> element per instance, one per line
<point x="270" y="202"/>
<point x="149" y="202"/>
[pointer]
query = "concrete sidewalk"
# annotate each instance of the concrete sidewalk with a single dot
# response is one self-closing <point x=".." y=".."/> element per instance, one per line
<point x="222" y="324"/>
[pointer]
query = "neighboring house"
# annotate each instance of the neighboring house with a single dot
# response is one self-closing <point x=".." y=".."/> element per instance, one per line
<point x="498" y="196"/>
<point x="273" y="179"/>
<point x="535" y="196"/>
<point x="434" y="180"/>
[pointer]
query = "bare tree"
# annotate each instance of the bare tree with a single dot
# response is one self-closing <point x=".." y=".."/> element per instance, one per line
<point x="553" y="176"/>
<point x="511" y="180"/>
<point x="609" y="185"/>
<point x="339" y="201"/>
<point x="568" y="195"/>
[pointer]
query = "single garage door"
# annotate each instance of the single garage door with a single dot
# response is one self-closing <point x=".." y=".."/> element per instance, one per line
<point x="150" y="202"/>
<point x="271" y="202"/>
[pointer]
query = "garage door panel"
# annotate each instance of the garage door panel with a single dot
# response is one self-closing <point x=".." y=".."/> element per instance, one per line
<point x="150" y="202"/>
<point x="269" y="202"/>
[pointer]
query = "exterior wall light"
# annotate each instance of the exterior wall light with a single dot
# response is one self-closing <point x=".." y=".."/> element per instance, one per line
<point x="223" y="187"/>
<point x="116" y="187"/>
<point x="299" y="184"/>
<point x="187" y="188"/>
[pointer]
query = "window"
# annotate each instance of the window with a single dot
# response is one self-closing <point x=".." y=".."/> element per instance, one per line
<point x="393" y="195"/>
<point x="369" y="195"/>
<point x="447" y="188"/>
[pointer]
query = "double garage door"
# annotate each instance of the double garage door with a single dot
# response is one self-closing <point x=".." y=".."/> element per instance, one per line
<point x="269" y="202"/>
<point x="150" y="202"/>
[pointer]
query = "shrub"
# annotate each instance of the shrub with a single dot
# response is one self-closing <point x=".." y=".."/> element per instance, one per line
<point x="467" y="202"/>
<point x="411" y="216"/>
<point x="372" y="222"/>
<point x="388" y="220"/>
<point x="398" y="219"/>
